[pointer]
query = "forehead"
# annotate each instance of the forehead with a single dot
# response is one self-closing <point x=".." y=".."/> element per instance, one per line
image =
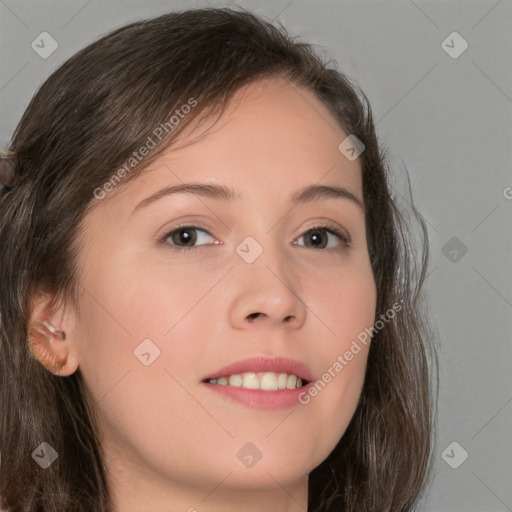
<point x="273" y="136"/>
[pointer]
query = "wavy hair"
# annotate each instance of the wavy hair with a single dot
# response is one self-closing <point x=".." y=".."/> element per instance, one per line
<point x="81" y="126"/>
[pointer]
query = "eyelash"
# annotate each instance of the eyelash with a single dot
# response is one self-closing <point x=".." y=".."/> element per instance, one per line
<point x="345" y="239"/>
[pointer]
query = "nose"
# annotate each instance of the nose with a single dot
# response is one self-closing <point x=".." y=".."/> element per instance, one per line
<point x="268" y="293"/>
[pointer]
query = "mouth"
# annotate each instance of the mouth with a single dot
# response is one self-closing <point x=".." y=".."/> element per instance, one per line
<point x="262" y="372"/>
<point x="262" y="382"/>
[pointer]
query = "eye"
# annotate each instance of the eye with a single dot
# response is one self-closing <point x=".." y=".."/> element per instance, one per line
<point x="184" y="238"/>
<point x="318" y="238"/>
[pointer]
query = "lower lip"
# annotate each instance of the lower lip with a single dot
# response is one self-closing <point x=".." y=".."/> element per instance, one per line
<point x="258" y="399"/>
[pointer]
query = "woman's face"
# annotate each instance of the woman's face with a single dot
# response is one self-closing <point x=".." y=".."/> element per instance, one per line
<point x="249" y="279"/>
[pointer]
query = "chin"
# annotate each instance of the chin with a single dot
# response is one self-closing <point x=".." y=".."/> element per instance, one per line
<point x="264" y="478"/>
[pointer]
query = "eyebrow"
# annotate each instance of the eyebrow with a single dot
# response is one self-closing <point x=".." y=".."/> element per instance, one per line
<point x="224" y="193"/>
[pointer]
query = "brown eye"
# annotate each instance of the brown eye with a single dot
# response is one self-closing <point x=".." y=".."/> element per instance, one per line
<point x="318" y="238"/>
<point x="185" y="237"/>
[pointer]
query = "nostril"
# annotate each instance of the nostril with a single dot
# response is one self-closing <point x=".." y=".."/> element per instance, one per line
<point x="254" y="316"/>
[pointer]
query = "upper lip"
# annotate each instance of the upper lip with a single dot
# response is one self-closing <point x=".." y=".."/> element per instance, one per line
<point x="265" y="364"/>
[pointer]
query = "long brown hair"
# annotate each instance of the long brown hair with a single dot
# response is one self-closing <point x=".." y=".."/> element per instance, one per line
<point x="82" y="126"/>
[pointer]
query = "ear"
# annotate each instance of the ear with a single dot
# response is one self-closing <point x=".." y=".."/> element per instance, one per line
<point x="51" y="336"/>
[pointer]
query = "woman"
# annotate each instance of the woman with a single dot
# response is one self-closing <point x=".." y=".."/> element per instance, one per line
<point x="208" y="298"/>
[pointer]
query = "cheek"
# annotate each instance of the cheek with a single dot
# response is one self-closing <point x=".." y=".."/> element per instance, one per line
<point x="332" y="399"/>
<point x="343" y="299"/>
<point x="137" y="324"/>
<point x="156" y="298"/>
<point x="138" y="403"/>
<point x="128" y="301"/>
<point x="346" y="304"/>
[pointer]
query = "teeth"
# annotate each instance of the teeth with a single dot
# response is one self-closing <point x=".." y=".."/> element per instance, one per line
<point x="268" y="381"/>
<point x="291" y="382"/>
<point x="251" y="381"/>
<point x="235" y="380"/>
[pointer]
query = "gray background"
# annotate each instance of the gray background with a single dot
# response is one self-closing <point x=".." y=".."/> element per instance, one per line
<point x="448" y="119"/>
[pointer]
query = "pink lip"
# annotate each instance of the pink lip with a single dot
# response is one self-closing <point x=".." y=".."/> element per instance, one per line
<point x="257" y="398"/>
<point x="265" y="364"/>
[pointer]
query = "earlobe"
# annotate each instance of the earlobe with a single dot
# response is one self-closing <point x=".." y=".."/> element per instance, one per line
<point x="48" y="343"/>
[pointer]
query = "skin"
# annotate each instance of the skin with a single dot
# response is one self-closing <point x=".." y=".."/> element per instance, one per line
<point x="170" y="443"/>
